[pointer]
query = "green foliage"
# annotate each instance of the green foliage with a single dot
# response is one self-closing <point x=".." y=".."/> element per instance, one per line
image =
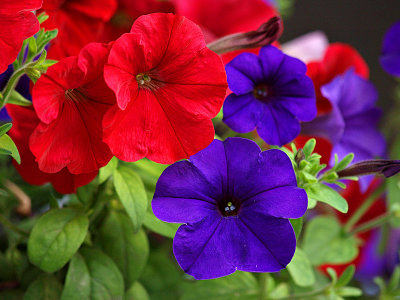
<point x="390" y="290"/>
<point x="300" y="269"/>
<point x="128" y="249"/>
<point x="7" y="147"/>
<point x="132" y="194"/>
<point x="324" y="242"/>
<point x="160" y="227"/>
<point x="46" y="287"/>
<point x="136" y="292"/>
<point x="77" y="281"/>
<point x="106" y="281"/>
<point x="56" y="237"/>
<point x="323" y="193"/>
<point x="238" y="286"/>
<point x="106" y="171"/>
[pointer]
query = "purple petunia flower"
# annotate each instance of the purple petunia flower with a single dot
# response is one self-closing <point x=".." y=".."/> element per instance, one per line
<point x="271" y="93"/>
<point x="351" y="126"/>
<point x="390" y="57"/>
<point x="234" y="201"/>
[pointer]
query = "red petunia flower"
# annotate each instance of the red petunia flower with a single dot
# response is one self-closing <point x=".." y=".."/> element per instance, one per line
<point x="338" y="59"/>
<point x="24" y="122"/>
<point x="168" y="85"/>
<point x="223" y="17"/>
<point x="70" y="100"/>
<point x="17" y="23"/>
<point x="79" y="22"/>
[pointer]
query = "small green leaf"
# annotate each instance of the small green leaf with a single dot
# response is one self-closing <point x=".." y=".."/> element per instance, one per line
<point x="46" y="287"/>
<point x="7" y="144"/>
<point x="106" y="171"/>
<point x="309" y="147"/>
<point x="129" y="251"/>
<point x="346" y="276"/>
<point x="344" y="162"/>
<point x="393" y="195"/>
<point x="394" y="279"/>
<point x="349" y="291"/>
<point x="324" y="242"/>
<point x="56" y="237"/>
<point x="300" y="269"/>
<point x="132" y="194"/>
<point x="324" y="193"/>
<point x="5" y="128"/>
<point x="106" y="282"/>
<point x="17" y="99"/>
<point x="77" y="281"/>
<point x="136" y="292"/>
<point x="238" y="286"/>
<point x="160" y="227"/>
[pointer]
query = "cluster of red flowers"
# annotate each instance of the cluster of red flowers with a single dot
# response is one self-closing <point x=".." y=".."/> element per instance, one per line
<point x="145" y="95"/>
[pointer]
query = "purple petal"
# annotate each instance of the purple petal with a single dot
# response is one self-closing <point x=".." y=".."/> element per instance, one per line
<point x="241" y="113"/>
<point x="183" y="194"/>
<point x="278" y="126"/>
<point x="243" y="72"/>
<point x="281" y="202"/>
<point x="390" y="58"/>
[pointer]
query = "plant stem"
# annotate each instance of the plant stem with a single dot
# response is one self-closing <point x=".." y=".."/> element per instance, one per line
<point x="263" y="286"/>
<point x="11" y="226"/>
<point x="11" y="84"/>
<point x="372" y="224"/>
<point x="364" y="207"/>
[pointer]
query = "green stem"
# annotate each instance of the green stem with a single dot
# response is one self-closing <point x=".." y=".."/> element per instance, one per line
<point x="364" y="208"/>
<point x="305" y="295"/>
<point x="377" y="222"/>
<point x="12" y="83"/>
<point x="263" y="286"/>
<point x="11" y="226"/>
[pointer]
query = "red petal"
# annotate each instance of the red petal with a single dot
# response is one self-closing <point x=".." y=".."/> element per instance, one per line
<point x="224" y="17"/>
<point x="157" y="129"/>
<point x="48" y="93"/>
<point x="13" y="7"/>
<point x="24" y="122"/>
<point x="97" y="9"/>
<point x="14" y="30"/>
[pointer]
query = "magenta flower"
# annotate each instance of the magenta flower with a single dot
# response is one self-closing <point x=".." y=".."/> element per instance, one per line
<point x="235" y="202"/>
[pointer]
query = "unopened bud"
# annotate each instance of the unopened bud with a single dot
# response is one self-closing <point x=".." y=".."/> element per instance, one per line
<point x="266" y="34"/>
<point x="384" y="167"/>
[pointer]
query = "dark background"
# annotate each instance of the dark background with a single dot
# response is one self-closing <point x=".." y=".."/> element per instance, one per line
<point x="360" y="23"/>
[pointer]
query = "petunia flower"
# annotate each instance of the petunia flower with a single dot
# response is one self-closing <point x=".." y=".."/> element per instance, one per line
<point x="235" y="202"/>
<point x="338" y="59"/>
<point x="17" y="23"/>
<point x="390" y="54"/>
<point x="70" y="101"/>
<point x="24" y="122"/>
<point x="168" y="86"/>
<point x="270" y="93"/>
<point x="351" y="126"/>
<point x="79" y="22"/>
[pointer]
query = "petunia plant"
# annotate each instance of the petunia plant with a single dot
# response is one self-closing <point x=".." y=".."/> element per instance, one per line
<point x="174" y="150"/>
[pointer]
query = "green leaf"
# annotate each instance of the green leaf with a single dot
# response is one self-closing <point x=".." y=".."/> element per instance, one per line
<point x="129" y="251"/>
<point x="393" y="195"/>
<point x="46" y="287"/>
<point x="309" y="147"/>
<point x="324" y="242"/>
<point x="346" y="276"/>
<point x="297" y="225"/>
<point x="349" y="291"/>
<point x="5" y="128"/>
<point x="77" y="281"/>
<point x="106" y="282"/>
<point x="18" y="99"/>
<point x="131" y="192"/>
<point x="324" y="193"/>
<point x="106" y="171"/>
<point x="160" y="227"/>
<point x="238" y="286"/>
<point x="300" y="269"/>
<point x="7" y="144"/>
<point x="56" y="237"/>
<point x="344" y="162"/>
<point x="136" y="292"/>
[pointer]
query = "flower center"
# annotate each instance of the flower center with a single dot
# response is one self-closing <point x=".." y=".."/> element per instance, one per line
<point x="262" y="92"/>
<point x="75" y="95"/>
<point x="145" y="81"/>
<point x="229" y="207"/>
